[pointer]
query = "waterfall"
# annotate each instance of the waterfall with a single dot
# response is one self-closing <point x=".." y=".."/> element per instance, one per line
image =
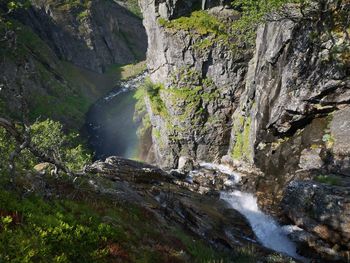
<point x="109" y="122"/>
<point x="269" y="233"/>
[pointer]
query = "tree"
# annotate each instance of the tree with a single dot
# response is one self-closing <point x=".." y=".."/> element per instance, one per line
<point x="23" y="144"/>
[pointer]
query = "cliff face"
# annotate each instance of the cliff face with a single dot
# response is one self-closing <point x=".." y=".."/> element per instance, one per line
<point x="282" y="109"/>
<point x="92" y="34"/>
<point x="201" y="80"/>
<point x="292" y="96"/>
<point x="295" y="105"/>
<point x="56" y="51"/>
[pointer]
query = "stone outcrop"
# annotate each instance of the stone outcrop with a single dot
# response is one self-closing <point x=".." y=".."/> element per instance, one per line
<point x="201" y="86"/>
<point x="323" y="211"/>
<point x="92" y="35"/>
<point x="205" y="216"/>
<point x="56" y="53"/>
<point x="282" y="112"/>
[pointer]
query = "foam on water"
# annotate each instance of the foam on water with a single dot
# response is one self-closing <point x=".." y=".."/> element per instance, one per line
<point x="221" y="168"/>
<point x="269" y="233"/>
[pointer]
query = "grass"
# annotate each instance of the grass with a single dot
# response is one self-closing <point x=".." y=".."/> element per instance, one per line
<point x="125" y="72"/>
<point x="200" y="22"/>
<point x="85" y="227"/>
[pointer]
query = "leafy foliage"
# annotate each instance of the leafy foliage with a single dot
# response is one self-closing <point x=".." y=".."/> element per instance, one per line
<point x="91" y="229"/>
<point x="254" y="12"/>
<point x="199" y="21"/>
<point x="48" y="137"/>
<point x="56" y="231"/>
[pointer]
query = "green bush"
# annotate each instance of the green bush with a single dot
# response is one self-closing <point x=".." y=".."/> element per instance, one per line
<point x="200" y="22"/>
<point x="34" y="230"/>
<point x="253" y="12"/>
<point x="49" y="138"/>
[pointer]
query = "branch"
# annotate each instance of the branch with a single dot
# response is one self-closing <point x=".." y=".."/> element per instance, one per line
<point x="24" y="142"/>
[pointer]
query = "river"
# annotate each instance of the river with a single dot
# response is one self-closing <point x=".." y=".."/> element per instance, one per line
<point x="112" y="131"/>
<point x="109" y="122"/>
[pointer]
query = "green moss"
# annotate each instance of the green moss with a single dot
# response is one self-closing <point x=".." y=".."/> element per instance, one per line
<point x="125" y="72"/>
<point x="242" y="146"/>
<point x="200" y="22"/>
<point x="133" y="7"/>
<point x="328" y="179"/>
<point x="83" y="15"/>
<point x="206" y="29"/>
<point x="153" y="91"/>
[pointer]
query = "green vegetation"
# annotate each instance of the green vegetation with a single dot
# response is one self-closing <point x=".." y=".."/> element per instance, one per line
<point x="208" y="27"/>
<point x="125" y="72"/>
<point x="200" y="22"/>
<point x="328" y="179"/>
<point x="241" y="149"/>
<point x="191" y="90"/>
<point x="253" y="13"/>
<point x="153" y="92"/>
<point x="250" y="14"/>
<point x="34" y="230"/>
<point x="49" y="138"/>
<point x="133" y="7"/>
<point x="90" y="228"/>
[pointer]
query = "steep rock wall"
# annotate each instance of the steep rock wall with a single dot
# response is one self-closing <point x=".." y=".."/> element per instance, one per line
<point x="297" y="80"/>
<point x="92" y="35"/>
<point x="294" y="108"/>
<point x="200" y="82"/>
<point x="282" y="114"/>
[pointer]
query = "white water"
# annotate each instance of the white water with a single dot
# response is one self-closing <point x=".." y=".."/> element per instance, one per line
<point x="127" y="85"/>
<point x="269" y="233"/>
<point x="223" y="169"/>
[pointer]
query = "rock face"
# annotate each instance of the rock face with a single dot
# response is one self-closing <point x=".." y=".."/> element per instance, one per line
<point x="200" y="86"/>
<point x="283" y="111"/>
<point x="205" y="216"/>
<point x="323" y="211"/>
<point x="93" y="35"/>
<point x="293" y="97"/>
<point x="56" y="53"/>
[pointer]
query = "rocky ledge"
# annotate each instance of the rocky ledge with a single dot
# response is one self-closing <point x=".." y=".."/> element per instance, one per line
<point x="324" y="212"/>
<point x="204" y="215"/>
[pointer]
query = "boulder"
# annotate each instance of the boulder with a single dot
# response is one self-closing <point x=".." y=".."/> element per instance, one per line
<point x="186" y="164"/>
<point x="322" y="210"/>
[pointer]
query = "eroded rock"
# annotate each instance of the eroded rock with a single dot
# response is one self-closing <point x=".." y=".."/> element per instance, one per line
<point x="323" y="211"/>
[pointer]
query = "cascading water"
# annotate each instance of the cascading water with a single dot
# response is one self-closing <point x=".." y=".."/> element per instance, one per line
<point x="109" y="122"/>
<point x="269" y="233"/>
<point x="113" y="132"/>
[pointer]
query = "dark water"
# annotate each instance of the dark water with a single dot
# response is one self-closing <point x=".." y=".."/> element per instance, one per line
<point x="110" y="126"/>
